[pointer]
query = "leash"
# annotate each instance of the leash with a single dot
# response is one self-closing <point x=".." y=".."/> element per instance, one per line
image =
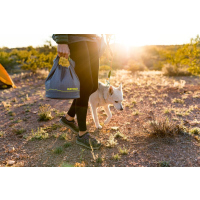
<point x="108" y="38"/>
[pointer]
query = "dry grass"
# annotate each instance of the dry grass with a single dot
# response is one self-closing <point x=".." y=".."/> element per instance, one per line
<point x="171" y="70"/>
<point x="19" y="131"/>
<point x="195" y="131"/>
<point x="45" y="112"/>
<point x="176" y="100"/>
<point x="123" y="151"/>
<point x="118" y="134"/>
<point x="116" y="156"/>
<point x="111" y="142"/>
<point x="162" y="127"/>
<point x="2" y="133"/>
<point x="58" y="150"/>
<point x="39" y="134"/>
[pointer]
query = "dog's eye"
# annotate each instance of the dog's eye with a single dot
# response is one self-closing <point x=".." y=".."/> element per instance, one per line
<point x="116" y="101"/>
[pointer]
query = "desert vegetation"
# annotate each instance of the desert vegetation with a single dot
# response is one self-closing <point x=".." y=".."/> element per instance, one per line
<point x="173" y="60"/>
<point x="29" y="58"/>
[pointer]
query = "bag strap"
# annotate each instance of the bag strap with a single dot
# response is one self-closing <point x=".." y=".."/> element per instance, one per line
<point x="108" y="38"/>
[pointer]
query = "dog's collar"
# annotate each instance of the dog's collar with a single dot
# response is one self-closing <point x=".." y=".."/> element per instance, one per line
<point x="103" y="97"/>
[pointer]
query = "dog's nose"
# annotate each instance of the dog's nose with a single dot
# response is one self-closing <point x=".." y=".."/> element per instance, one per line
<point x="121" y="108"/>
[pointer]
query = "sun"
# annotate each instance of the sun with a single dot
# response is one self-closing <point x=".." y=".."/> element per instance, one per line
<point x="129" y="39"/>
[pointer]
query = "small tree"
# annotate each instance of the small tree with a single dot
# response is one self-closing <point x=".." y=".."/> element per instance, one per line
<point x="41" y="61"/>
<point x="6" y="60"/>
<point x="187" y="56"/>
<point x="194" y="56"/>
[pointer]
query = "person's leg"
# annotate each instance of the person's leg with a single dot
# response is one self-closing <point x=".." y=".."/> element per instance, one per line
<point x="71" y="113"/>
<point x="94" y="60"/>
<point x="80" y="54"/>
<point x="85" y="55"/>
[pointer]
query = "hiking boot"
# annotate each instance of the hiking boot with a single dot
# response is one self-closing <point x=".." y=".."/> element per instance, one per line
<point x="69" y="124"/>
<point x="87" y="141"/>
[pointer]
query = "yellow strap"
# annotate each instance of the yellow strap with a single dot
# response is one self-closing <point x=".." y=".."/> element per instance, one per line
<point x="63" y="91"/>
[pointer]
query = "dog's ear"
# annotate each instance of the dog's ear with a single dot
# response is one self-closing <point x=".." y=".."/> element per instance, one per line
<point x="110" y="90"/>
<point x="120" y="87"/>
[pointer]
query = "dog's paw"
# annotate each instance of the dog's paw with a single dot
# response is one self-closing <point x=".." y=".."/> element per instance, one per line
<point x="106" y="122"/>
<point x="99" y="127"/>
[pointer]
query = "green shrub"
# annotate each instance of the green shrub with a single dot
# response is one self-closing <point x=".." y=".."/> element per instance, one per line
<point x="58" y="150"/>
<point x="120" y="135"/>
<point x="185" y="60"/>
<point x="195" y="69"/>
<point x="116" y="156"/>
<point x="135" y="66"/>
<point x="19" y="131"/>
<point x="172" y="70"/>
<point x="162" y="127"/>
<point x="6" y="60"/>
<point x="164" y="164"/>
<point x="111" y="142"/>
<point x="63" y="136"/>
<point x="39" y="134"/>
<point x="2" y="133"/>
<point x="175" y="100"/>
<point x="53" y="127"/>
<point x="123" y="151"/>
<point x="22" y="56"/>
<point x="195" y="131"/>
<point x="41" y="61"/>
<point x="29" y="58"/>
<point x="45" y="112"/>
<point x="67" y="144"/>
<point x="99" y="159"/>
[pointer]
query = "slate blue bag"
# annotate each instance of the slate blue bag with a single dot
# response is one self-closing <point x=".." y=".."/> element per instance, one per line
<point x="62" y="82"/>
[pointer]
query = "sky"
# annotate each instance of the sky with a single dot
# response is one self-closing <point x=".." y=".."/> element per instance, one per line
<point x="135" y="23"/>
<point x="137" y="39"/>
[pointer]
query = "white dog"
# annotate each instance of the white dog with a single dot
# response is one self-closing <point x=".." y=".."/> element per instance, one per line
<point x="104" y="96"/>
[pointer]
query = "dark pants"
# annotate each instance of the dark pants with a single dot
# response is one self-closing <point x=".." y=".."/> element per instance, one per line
<point x="86" y="57"/>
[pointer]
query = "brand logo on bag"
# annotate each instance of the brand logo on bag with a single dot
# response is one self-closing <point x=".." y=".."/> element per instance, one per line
<point x="72" y="88"/>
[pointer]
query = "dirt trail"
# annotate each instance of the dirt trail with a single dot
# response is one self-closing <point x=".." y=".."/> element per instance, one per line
<point x="144" y="94"/>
